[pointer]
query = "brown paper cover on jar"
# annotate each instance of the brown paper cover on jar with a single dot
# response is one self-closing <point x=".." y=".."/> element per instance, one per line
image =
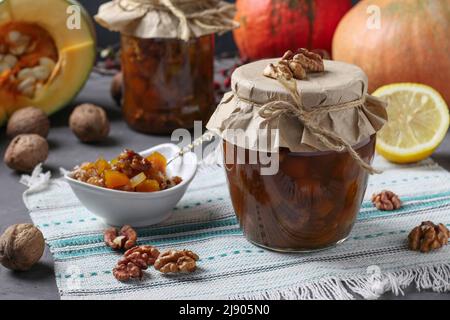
<point x="175" y="19"/>
<point x="238" y="112"/>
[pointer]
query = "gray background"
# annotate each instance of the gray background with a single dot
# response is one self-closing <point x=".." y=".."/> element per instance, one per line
<point x="66" y="151"/>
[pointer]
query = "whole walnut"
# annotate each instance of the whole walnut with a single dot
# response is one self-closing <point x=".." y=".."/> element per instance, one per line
<point x="26" y="151"/>
<point x="89" y="123"/>
<point x="28" y="120"/>
<point x="21" y="246"/>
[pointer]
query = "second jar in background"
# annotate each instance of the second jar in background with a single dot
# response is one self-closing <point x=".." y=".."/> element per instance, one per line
<point x="168" y="83"/>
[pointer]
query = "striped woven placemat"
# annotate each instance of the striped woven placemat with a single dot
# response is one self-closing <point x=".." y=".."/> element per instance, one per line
<point x="374" y="259"/>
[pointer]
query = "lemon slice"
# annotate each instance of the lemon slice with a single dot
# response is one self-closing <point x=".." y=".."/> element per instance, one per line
<point x="418" y="119"/>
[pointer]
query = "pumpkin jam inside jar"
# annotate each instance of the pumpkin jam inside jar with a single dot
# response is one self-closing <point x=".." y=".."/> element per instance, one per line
<point x="168" y="83"/>
<point x="28" y="59"/>
<point x="167" y="59"/>
<point x="311" y="202"/>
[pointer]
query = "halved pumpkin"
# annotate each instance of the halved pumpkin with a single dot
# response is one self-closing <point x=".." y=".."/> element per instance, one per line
<point x="44" y="58"/>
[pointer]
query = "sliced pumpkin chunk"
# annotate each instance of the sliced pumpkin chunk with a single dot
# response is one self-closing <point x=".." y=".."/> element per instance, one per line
<point x="45" y="57"/>
<point x="158" y="161"/>
<point x="115" y="179"/>
<point x="60" y="90"/>
<point x="148" y="186"/>
<point x="101" y="165"/>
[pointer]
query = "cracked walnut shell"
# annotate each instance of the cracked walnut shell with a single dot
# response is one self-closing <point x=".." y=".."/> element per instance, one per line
<point x="428" y="236"/>
<point x="124" y="239"/>
<point x="174" y="261"/>
<point x="386" y="201"/>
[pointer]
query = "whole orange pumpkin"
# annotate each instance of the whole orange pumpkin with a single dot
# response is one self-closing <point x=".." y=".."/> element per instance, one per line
<point x="398" y="41"/>
<point x="271" y="27"/>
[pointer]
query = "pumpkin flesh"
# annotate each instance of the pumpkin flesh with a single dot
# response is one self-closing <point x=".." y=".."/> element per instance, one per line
<point x="68" y="54"/>
<point x="412" y="45"/>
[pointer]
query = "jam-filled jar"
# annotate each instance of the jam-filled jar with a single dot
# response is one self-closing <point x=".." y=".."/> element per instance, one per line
<point x="168" y="83"/>
<point x="167" y="51"/>
<point x="310" y="203"/>
<point x="291" y="192"/>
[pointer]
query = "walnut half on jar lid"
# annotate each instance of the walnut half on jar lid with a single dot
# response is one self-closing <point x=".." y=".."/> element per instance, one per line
<point x="295" y="114"/>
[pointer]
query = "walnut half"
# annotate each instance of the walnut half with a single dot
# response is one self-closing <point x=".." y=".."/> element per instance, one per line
<point x="386" y="201"/>
<point x="428" y="236"/>
<point x="134" y="262"/>
<point x="124" y="239"/>
<point x="174" y="261"/>
<point x="310" y="61"/>
<point x="295" y="65"/>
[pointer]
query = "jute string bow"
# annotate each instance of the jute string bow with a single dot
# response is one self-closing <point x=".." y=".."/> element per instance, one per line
<point x="274" y="109"/>
<point x="216" y="18"/>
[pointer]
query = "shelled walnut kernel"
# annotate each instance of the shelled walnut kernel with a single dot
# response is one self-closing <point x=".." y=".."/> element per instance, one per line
<point x="295" y="65"/>
<point x="124" y="239"/>
<point x="428" y="236"/>
<point x="174" y="261"/>
<point x="134" y="261"/>
<point x="386" y="201"/>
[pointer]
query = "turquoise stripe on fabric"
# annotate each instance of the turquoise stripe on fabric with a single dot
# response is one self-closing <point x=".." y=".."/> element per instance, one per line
<point x="365" y="214"/>
<point x="147" y="232"/>
<point x="406" y="208"/>
<point x="170" y="240"/>
<point x="368" y="204"/>
<point x="94" y="239"/>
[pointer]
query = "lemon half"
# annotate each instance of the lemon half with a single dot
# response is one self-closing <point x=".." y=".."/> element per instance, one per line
<point x="418" y="119"/>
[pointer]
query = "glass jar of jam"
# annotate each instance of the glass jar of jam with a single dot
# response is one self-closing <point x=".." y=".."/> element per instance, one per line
<point x="168" y="83"/>
<point x="298" y="153"/>
<point x="167" y="50"/>
<point x="311" y="202"/>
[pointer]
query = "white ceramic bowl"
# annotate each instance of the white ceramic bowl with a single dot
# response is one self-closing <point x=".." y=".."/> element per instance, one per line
<point x="138" y="209"/>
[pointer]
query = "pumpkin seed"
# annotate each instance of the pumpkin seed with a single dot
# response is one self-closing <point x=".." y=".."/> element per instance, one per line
<point x="47" y="62"/>
<point x="25" y="85"/>
<point x="25" y="73"/>
<point x="28" y="92"/>
<point x="10" y="60"/>
<point x="41" y="72"/>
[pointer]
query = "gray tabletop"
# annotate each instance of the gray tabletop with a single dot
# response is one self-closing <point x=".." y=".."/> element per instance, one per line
<point x="66" y="151"/>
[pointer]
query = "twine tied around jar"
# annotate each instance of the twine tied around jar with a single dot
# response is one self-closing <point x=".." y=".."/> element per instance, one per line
<point x="331" y="140"/>
<point x="215" y="17"/>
